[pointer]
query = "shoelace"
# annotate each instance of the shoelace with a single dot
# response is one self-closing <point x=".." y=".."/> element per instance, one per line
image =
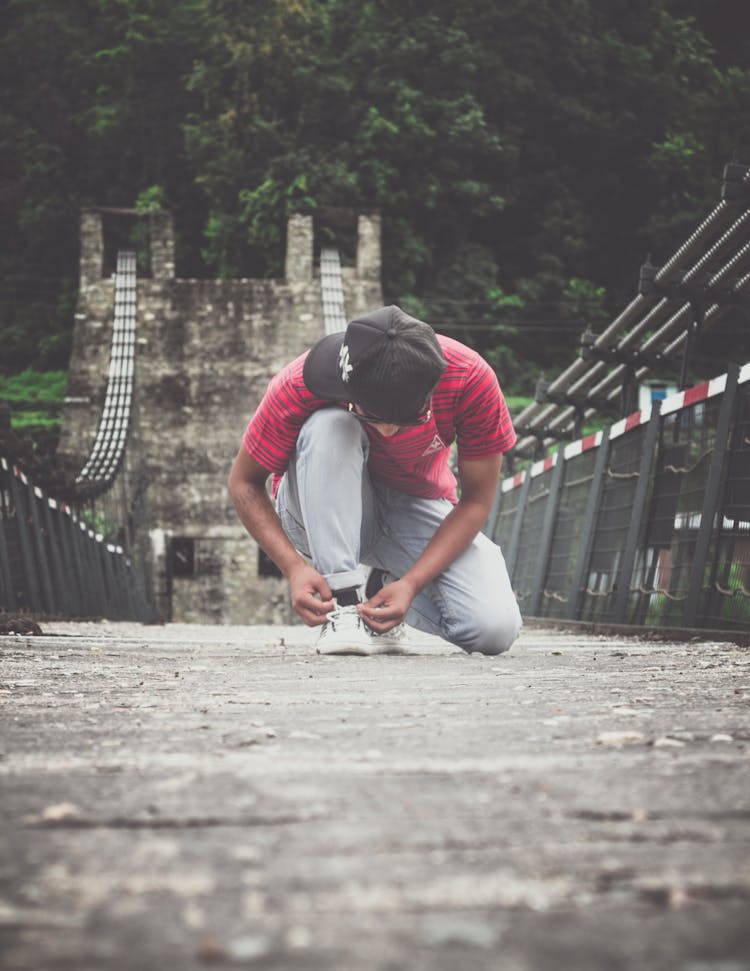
<point x="336" y="614"/>
<point x="397" y="633"/>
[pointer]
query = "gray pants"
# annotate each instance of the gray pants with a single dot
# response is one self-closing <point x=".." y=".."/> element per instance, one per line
<point x="336" y="515"/>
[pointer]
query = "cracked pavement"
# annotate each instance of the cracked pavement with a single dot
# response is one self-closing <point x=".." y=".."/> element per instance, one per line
<point x="184" y="796"/>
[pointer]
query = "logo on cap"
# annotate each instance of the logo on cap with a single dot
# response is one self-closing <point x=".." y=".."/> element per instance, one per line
<point x="344" y="366"/>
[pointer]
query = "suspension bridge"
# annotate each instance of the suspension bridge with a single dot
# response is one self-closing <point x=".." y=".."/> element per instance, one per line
<point x="179" y="795"/>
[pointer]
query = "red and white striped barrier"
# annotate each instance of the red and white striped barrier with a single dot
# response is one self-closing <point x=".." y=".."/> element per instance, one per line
<point x="61" y="506"/>
<point x="675" y="402"/>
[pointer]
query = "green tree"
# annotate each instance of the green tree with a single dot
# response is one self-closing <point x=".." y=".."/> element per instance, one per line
<point x="525" y="156"/>
<point x="93" y="94"/>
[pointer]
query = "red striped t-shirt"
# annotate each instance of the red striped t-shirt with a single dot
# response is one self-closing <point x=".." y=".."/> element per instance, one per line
<point x="467" y="407"/>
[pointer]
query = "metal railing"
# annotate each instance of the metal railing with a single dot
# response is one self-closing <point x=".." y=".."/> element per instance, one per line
<point x="81" y="557"/>
<point x="707" y="276"/>
<point x="645" y="523"/>
<point x="52" y="562"/>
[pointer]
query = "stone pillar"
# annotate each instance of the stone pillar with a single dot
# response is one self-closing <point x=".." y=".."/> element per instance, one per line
<point x="368" y="247"/>
<point x="91" y="262"/>
<point x="161" y="239"/>
<point x="299" y="249"/>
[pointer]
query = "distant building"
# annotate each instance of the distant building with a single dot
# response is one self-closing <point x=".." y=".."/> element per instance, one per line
<point x="205" y="351"/>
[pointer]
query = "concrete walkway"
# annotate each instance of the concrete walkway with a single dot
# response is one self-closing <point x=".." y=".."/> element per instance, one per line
<point x="178" y="797"/>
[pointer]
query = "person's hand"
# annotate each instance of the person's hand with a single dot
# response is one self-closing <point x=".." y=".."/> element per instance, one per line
<point x="310" y="594"/>
<point x="389" y="606"/>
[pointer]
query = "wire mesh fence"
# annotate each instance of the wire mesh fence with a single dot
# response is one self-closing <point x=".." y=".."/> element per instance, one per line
<point x="531" y="533"/>
<point x="660" y="584"/>
<point x="726" y="592"/>
<point x="621" y="478"/>
<point x="647" y="523"/>
<point x="677" y="304"/>
<point x="508" y="504"/>
<point x="87" y="556"/>
<point x="52" y="562"/>
<point x="556" y="599"/>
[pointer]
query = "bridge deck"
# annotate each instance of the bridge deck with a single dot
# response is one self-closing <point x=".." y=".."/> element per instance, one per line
<point x="179" y="796"/>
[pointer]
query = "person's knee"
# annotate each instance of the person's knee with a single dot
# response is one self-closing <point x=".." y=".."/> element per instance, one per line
<point x="491" y="633"/>
<point x="328" y="424"/>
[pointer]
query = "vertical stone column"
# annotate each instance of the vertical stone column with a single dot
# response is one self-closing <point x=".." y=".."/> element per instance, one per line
<point x="91" y="262"/>
<point x="368" y="247"/>
<point x="161" y="237"/>
<point x="299" y="249"/>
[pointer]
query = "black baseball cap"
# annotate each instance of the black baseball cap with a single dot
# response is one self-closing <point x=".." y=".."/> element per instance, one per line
<point x="386" y="361"/>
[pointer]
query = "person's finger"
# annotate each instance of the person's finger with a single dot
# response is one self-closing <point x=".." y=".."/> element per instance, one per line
<point x="326" y="594"/>
<point x="381" y="614"/>
<point x="380" y="627"/>
<point x="313" y="618"/>
<point x="376" y="603"/>
<point x="307" y="605"/>
<point x="310" y="596"/>
<point x="315" y="612"/>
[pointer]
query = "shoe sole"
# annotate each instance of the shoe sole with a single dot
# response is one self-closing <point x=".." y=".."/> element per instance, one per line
<point x="362" y="651"/>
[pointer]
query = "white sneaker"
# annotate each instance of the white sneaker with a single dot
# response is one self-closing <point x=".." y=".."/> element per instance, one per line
<point x="393" y="641"/>
<point x="344" y="632"/>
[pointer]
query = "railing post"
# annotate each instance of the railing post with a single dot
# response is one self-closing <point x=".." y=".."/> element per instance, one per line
<point x="511" y="554"/>
<point x="115" y="592"/>
<point x="110" y="584"/>
<point x="60" y="579"/>
<point x="7" y="593"/>
<point x="76" y="539"/>
<point x="31" y="584"/>
<point x="575" y="595"/>
<point x="97" y="580"/>
<point x="548" y="528"/>
<point x="130" y="593"/>
<point x="74" y="603"/>
<point x="86" y="571"/>
<point x="36" y="501"/>
<point x="711" y="496"/>
<point x="639" y="505"/>
<point x="126" y="576"/>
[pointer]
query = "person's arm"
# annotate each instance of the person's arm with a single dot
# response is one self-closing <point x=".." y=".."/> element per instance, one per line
<point x="479" y="479"/>
<point x="310" y="594"/>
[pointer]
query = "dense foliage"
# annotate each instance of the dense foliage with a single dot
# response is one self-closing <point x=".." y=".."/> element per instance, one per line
<point x="525" y="154"/>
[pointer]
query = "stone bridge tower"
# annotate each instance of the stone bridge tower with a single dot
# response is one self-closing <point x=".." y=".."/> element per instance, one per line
<point x="205" y="351"/>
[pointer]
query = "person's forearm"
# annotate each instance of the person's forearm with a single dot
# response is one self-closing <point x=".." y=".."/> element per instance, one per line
<point x="454" y="535"/>
<point x="261" y="520"/>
